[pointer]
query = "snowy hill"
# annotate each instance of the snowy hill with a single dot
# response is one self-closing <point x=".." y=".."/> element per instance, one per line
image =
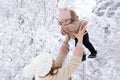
<point x="30" y="27"/>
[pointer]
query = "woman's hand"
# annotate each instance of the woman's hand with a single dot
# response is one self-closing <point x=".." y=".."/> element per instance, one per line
<point x="80" y="34"/>
<point x="78" y="51"/>
<point x="67" y="38"/>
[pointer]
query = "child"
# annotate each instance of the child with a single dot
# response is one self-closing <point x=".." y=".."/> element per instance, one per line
<point x="70" y="24"/>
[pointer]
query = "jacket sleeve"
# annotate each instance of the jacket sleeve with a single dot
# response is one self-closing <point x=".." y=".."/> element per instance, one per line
<point x="61" y="56"/>
<point x="66" y="71"/>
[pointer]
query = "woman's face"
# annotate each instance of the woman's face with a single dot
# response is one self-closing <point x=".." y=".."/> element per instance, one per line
<point x="65" y="22"/>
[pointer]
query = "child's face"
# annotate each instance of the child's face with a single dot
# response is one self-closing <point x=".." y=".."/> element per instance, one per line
<point x="65" y="22"/>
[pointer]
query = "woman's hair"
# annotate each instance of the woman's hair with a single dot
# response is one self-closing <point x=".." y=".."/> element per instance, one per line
<point x="73" y="16"/>
<point x="51" y="72"/>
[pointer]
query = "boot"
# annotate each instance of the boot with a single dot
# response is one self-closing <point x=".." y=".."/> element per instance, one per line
<point x="84" y="57"/>
<point x="93" y="55"/>
<point x="33" y="78"/>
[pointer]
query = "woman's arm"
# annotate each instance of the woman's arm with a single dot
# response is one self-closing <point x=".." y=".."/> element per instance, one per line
<point x="64" y="49"/>
<point x="65" y="72"/>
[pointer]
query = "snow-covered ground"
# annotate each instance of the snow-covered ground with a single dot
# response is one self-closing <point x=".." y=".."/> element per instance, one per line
<point x="30" y="27"/>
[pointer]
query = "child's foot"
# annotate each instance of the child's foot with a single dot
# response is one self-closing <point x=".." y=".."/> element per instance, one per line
<point x="33" y="78"/>
<point x="93" y="55"/>
<point x="84" y="57"/>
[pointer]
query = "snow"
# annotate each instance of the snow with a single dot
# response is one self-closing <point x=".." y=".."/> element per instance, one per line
<point x="29" y="28"/>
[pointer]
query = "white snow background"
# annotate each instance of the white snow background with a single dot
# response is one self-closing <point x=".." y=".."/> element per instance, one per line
<point x="30" y="27"/>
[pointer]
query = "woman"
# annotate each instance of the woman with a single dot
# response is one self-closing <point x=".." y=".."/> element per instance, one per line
<point x="45" y="70"/>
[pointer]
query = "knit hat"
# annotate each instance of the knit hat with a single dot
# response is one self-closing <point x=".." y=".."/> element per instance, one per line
<point x="64" y="13"/>
<point x="39" y="66"/>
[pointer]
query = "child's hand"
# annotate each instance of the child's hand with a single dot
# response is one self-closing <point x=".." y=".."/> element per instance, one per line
<point x="63" y="32"/>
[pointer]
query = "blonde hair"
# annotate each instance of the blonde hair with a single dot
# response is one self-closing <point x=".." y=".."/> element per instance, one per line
<point x="73" y="15"/>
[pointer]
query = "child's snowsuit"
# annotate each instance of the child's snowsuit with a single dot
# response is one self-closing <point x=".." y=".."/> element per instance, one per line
<point x="74" y="27"/>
